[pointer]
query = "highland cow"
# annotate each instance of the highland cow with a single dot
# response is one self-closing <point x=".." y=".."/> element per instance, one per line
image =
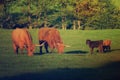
<point x="51" y="38"/>
<point x="21" y="38"/>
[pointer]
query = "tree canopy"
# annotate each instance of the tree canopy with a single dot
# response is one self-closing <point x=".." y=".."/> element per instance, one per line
<point x="65" y="14"/>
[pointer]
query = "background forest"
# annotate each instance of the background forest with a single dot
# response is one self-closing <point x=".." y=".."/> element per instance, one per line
<point x="63" y="14"/>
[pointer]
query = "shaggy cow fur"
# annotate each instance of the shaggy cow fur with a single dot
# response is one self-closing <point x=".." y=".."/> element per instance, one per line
<point x="51" y="37"/>
<point x="21" y="38"/>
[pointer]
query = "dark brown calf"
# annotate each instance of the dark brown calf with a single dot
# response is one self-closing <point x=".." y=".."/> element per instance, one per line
<point x="95" y="44"/>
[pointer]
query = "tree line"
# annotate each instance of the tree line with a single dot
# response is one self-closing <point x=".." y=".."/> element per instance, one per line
<point x="65" y="14"/>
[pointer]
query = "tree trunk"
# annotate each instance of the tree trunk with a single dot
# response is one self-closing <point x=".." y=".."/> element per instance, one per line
<point x="29" y="17"/>
<point x="79" y="24"/>
<point x="45" y="22"/>
<point x="74" y="25"/>
<point x="63" y="23"/>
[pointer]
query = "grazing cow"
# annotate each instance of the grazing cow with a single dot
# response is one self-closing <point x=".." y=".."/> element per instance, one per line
<point x="21" y="38"/>
<point x="106" y="45"/>
<point x="95" y="44"/>
<point x="50" y="37"/>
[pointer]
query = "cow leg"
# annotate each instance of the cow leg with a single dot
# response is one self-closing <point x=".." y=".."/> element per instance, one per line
<point x="40" y="49"/>
<point x="46" y="47"/>
<point x="105" y="49"/>
<point x="108" y="48"/>
<point x="40" y="42"/>
<point x="15" y="48"/>
<point x="101" y="49"/>
<point x="91" y="50"/>
<point x="52" y="50"/>
<point x="21" y="49"/>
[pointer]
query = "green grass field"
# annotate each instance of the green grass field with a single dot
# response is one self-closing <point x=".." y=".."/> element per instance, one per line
<point x="75" y="64"/>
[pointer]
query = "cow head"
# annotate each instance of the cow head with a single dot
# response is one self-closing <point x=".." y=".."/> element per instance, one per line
<point x="60" y="47"/>
<point x="31" y="50"/>
<point x="88" y="41"/>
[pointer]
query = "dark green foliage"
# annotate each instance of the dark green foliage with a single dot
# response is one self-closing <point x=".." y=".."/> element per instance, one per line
<point x="94" y="14"/>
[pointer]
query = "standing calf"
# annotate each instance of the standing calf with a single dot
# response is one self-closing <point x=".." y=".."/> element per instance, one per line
<point x="95" y="44"/>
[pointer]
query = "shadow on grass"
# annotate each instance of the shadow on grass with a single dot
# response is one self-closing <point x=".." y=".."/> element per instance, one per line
<point x="115" y="50"/>
<point x="68" y="52"/>
<point x="77" y="52"/>
<point x="41" y="54"/>
<point x="112" y="50"/>
<point x="109" y="71"/>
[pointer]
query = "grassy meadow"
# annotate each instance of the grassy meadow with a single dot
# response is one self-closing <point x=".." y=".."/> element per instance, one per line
<point x="75" y="64"/>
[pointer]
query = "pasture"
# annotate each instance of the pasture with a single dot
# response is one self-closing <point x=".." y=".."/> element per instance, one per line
<point x="75" y="64"/>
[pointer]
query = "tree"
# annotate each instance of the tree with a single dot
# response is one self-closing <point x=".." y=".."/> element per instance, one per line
<point x="85" y="9"/>
<point x="95" y="14"/>
<point x="104" y="19"/>
<point x="6" y="19"/>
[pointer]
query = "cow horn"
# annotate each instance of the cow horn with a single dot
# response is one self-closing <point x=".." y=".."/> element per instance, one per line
<point x="38" y="45"/>
<point x="67" y="46"/>
<point x="64" y="45"/>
